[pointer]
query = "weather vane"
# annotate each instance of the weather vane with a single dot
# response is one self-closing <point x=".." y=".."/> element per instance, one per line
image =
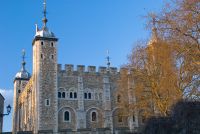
<point x="45" y="9"/>
<point x="23" y="54"/>
<point x="108" y="60"/>
<point x="45" y="13"/>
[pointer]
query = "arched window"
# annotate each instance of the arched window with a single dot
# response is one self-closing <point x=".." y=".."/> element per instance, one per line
<point x="119" y="98"/>
<point x="52" y="56"/>
<point x="75" y="95"/>
<point x="89" y="95"/>
<point x="67" y="116"/>
<point x="52" y="45"/>
<point x="71" y="95"/>
<point x="59" y="94"/>
<point x="94" y="116"/>
<point x="85" y="95"/>
<point x="63" y="95"/>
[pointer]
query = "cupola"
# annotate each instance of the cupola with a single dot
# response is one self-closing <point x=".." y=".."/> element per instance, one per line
<point x="23" y="74"/>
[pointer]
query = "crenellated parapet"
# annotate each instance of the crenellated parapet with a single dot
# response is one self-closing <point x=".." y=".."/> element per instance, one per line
<point x="69" y="69"/>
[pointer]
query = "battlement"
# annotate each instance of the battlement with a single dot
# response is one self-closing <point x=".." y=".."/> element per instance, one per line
<point x="70" y="69"/>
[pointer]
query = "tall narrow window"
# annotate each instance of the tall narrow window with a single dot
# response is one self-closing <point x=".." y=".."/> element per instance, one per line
<point x="133" y="118"/>
<point x="94" y="116"/>
<point x="42" y="43"/>
<point x="85" y="95"/>
<point x="41" y="56"/>
<point x="66" y="116"/>
<point x="89" y="96"/>
<point x="75" y="95"/>
<point x="71" y="95"/>
<point x="59" y="94"/>
<point x="63" y="94"/>
<point x="47" y="102"/>
<point x="52" y="56"/>
<point x="52" y="45"/>
<point x="118" y="98"/>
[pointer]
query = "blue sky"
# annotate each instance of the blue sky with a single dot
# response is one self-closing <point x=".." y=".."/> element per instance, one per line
<point x="85" y="28"/>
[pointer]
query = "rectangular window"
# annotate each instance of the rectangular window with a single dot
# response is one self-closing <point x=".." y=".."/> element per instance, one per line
<point x="59" y="94"/>
<point x="75" y="95"/>
<point x="47" y="102"/>
<point x="71" y="95"/>
<point x="133" y="118"/>
<point x="41" y="56"/>
<point x="63" y="94"/>
<point x="89" y="96"/>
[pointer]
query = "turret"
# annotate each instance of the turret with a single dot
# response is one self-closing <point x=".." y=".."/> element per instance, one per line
<point x="20" y="81"/>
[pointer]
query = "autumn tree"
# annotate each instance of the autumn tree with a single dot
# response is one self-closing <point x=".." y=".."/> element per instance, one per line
<point x="154" y="76"/>
<point x="179" y="24"/>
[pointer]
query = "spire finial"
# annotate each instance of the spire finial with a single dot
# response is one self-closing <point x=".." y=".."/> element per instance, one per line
<point x="23" y="54"/>
<point x="45" y="13"/>
<point x="108" y="61"/>
<point x="23" y="60"/>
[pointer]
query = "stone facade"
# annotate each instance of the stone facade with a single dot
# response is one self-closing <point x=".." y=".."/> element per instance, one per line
<point x="60" y="99"/>
<point x="1" y="111"/>
<point x="80" y="93"/>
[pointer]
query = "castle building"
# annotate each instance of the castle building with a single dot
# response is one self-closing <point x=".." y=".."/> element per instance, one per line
<point x="56" y="99"/>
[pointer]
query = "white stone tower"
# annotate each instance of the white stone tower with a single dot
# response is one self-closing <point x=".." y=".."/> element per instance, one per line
<point x="20" y="81"/>
<point x="45" y="77"/>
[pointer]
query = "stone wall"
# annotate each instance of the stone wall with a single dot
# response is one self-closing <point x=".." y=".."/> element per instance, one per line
<point x="93" y="82"/>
